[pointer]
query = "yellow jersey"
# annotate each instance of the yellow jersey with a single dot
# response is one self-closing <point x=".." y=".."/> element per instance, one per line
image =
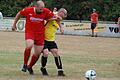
<point x="50" y="30"/>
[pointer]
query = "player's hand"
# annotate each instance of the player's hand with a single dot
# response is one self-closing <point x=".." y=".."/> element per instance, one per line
<point x="14" y="28"/>
<point x="62" y="30"/>
<point x="96" y="24"/>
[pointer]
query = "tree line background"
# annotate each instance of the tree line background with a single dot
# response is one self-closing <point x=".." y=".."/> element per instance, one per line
<point x="108" y="10"/>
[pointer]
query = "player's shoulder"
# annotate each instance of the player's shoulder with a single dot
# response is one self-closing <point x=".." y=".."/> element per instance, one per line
<point x="46" y="9"/>
<point x="92" y="13"/>
<point x="95" y="13"/>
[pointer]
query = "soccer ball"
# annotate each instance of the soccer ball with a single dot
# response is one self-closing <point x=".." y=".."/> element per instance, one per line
<point x="90" y="75"/>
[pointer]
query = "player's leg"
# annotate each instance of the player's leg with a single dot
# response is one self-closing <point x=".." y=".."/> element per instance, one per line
<point x="58" y="62"/>
<point x="29" y="39"/>
<point x="92" y="28"/>
<point x="35" y="57"/>
<point x="27" y="52"/>
<point x="38" y="47"/>
<point x="44" y="61"/>
<point x="92" y="33"/>
<point x="57" y="58"/>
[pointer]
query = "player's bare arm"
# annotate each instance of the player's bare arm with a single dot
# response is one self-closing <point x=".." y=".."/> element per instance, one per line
<point x="17" y="17"/>
<point x="61" y="27"/>
<point x="55" y="17"/>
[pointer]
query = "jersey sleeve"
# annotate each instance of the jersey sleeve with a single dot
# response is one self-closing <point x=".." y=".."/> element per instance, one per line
<point x="23" y="12"/>
<point x="97" y="15"/>
<point x="49" y="14"/>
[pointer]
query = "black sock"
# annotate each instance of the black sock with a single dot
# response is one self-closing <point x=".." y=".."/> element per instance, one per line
<point x="43" y="61"/>
<point x="58" y="62"/>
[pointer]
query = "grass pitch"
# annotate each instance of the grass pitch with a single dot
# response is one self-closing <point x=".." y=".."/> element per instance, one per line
<point x="78" y="53"/>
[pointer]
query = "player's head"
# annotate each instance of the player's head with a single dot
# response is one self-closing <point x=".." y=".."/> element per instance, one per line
<point x="55" y="9"/>
<point x="94" y="10"/>
<point x="39" y="6"/>
<point x="62" y="12"/>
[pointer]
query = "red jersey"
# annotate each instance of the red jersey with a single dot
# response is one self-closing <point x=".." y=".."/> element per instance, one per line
<point x="35" y="22"/>
<point x="94" y="17"/>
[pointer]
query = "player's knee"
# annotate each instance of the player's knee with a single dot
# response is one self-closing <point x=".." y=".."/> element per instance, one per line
<point x="45" y="55"/>
<point x="37" y="54"/>
<point x="45" y="52"/>
<point x="29" y="43"/>
<point x="29" y="46"/>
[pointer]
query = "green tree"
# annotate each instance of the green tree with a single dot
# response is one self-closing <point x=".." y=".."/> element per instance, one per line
<point x="77" y="9"/>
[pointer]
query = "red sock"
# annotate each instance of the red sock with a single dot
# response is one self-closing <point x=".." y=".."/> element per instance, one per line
<point x="26" y="55"/>
<point x="34" y="59"/>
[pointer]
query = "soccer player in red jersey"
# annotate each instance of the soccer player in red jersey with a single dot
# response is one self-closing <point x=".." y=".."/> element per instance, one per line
<point x="34" y="32"/>
<point x="94" y="21"/>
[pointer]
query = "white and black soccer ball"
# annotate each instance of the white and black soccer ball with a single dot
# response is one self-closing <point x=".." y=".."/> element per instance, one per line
<point x="90" y="75"/>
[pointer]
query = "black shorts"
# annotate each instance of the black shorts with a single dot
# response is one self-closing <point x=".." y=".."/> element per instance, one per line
<point x="93" y="25"/>
<point x="50" y="45"/>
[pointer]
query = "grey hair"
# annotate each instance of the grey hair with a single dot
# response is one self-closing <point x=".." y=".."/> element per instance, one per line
<point x="38" y="2"/>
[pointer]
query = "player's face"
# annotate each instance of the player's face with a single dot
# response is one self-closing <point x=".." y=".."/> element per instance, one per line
<point x="55" y="9"/>
<point x="39" y="9"/>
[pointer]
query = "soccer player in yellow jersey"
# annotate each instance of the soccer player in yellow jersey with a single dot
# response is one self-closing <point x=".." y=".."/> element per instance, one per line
<point x="50" y="45"/>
